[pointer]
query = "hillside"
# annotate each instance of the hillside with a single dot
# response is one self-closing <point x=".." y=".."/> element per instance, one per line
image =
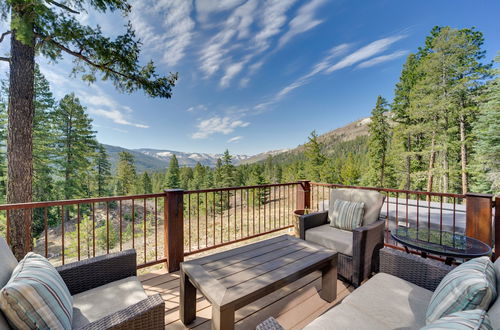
<point x="345" y="138"/>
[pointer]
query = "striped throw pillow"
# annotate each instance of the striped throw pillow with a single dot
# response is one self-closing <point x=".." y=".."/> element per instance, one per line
<point x="36" y="296"/>
<point x="347" y="215"/>
<point x="476" y="319"/>
<point x="472" y="285"/>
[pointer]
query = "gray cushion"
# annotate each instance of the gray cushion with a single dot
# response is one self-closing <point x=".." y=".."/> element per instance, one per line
<point x="494" y="310"/>
<point x="332" y="238"/>
<point x="8" y="263"/>
<point x="393" y="301"/>
<point x="373" y="202"/>
<point x="345" y="317"/>
<point x="94" y="304"/>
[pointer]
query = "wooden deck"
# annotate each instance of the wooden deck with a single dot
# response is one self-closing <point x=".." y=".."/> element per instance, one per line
<point x="294" y="305"/>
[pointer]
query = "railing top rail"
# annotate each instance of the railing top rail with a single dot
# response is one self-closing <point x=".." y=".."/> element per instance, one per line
<point x="35" y="205"/>
<point x="401" y="191"/>
<point x="240" y="188"/>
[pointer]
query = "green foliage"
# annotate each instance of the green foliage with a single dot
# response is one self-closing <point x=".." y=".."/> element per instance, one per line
<point x="172" y="177"/>
<point x="125" y="174"/>
<point x="102" y="172"/>
<point x="378" y="143"/>
<point x="147" y="185"/>
<point x="315" y="158"/>
<point x="76" y="145"/>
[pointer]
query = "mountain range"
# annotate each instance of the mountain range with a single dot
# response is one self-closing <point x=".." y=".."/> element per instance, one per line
<point x="156" y="160"/>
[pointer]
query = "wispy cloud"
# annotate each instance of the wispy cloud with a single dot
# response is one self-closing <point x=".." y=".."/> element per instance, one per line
<point x="303" y="22"/>
<point x="382" y="59"/>
<point x="235" y="139"/>
<point x="216" y="124"/>
<point x="103" y="105"/>
<point x="231" y="71"/>
<point x="365" y="52"/>
<point x="199" y="107"/>
<point x="206" y="7"/>
<point x="327" y="64"/>
<point x="171" y="38"/>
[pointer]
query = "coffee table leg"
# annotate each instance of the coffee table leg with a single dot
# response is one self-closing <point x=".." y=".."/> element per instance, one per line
<point x="188" y="300"/>
<point x="222" y="320"/>
<point x="329" y="281"/>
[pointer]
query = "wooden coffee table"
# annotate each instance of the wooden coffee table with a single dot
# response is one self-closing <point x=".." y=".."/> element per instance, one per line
<point x="237" y="277"/>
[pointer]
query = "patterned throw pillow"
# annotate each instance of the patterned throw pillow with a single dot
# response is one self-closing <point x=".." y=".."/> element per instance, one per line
<point x="476" y="319"/>
<point x="36" y="296"/>
<point x="472" y="285"/>
<point x="347" y="215"/>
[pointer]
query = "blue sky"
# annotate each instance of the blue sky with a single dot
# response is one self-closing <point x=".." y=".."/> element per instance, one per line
<point x="259" y="75"/>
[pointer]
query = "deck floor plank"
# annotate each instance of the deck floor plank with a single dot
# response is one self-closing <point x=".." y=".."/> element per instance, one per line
<point x="294" y="305"/>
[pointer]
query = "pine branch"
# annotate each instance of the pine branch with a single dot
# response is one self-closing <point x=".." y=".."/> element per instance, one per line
<point x="77" y="54"/>
<point x="60" y="5"/>
<point x="4" y="35"/>
<point x="5" y="59"/>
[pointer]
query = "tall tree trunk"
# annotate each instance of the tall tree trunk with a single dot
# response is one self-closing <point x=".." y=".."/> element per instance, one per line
<point x="432" y="160"/>
<point x="463" y="154"/>
<point x="408" y="164"/>
<point x="19" y="143"/>
<point x="382" y="170"/>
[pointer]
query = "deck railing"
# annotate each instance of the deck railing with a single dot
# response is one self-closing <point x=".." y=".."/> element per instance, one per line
<point x="166" y="227"/>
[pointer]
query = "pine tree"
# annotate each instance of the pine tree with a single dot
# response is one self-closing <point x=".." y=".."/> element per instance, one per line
<point x="51" y="29"/>
<point x="126" y="175"/>
<point x="4" y="99"/>
<point x="102" y="170"/>
<point x="172" y="177"/>
<point x="76" y="145"/>
<point x="147" y="185"/>
<point x="227" y="170"/>
<point x="486" y="156"/>
<point x="349" y="172"/>
<point x="257" y="178"/>
<point x="378" y="143"/>
<point x="315" y="158"/>
<point x="198" y="180"/>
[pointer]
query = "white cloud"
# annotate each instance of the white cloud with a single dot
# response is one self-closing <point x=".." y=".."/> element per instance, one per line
<point x="231" y="71"/>
<point x="206" y="7"/>
<point x="382" y="59"/>
<point x="199" y="107"/>
<point x="327" y="66"/>
<point x="237" y="26"/>
<point x="102" y="105"/>
<point x="223" y="125"/>
<point x="169" y="39"/>
<point x="303" y="22"/>
<point x="116" y="116"/>
<point x="272" y="19"/>
<point x="365" y="52"/>
<point x="235" y="139"/>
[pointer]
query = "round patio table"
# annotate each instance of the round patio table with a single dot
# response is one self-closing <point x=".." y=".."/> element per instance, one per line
<point x="443" y="243"/>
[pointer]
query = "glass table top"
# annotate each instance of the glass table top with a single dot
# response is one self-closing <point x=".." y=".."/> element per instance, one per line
<point x="440" y="242"/>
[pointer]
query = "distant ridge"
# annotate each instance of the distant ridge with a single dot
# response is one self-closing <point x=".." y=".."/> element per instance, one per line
<point x="147" y="159"/>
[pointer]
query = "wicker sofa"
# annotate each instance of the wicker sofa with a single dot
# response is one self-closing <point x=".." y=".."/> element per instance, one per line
<point x="106" y="292"/>
<point x="358" y="250"/>
<point x="395" y="298"/>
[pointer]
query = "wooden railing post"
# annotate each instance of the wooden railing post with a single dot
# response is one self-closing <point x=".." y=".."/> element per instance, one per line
<point x="173" y="228"/>
<point x="303" y="195"/>
<point x="479" y="217"/>
<point x="497" y="227"/>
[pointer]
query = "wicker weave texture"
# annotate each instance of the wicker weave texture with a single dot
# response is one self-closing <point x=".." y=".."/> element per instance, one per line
<point x="90" y="273"/>
<point x="269" y="324"/>
<point x="426" y="273"/>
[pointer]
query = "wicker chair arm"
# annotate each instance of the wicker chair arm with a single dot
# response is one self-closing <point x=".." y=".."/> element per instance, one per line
<point x="367" y="241"/>
<point x="269" y="324"/>
<point x="87" y="274"/>
<point x="146" y="314"/>
<point x="426" y="273"/>
<point x="311" y="220"/>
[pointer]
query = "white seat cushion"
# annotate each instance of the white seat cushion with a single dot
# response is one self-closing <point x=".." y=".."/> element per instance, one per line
<point x="94" y="304"/>
<point x="393" y="301"/>
<point x="345" y="317"/>
<point x="332" y="238"/>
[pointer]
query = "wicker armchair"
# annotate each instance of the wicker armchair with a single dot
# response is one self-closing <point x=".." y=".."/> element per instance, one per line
<point x="357" y="250"/>
<point x="85" y="275"/>
<point x="106" y="292"/>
